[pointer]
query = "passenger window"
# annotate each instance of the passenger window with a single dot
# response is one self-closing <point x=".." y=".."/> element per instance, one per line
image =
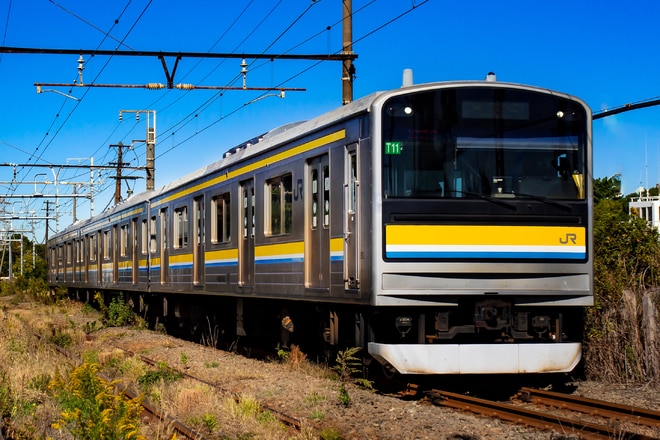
<point x="153" y="244"/>
<point x="144" y="237"/>
<point x="220" y="219"/>
<point x="123" y="241"/>
<point x="181" y="227"/>
<point x="279" y="205"/>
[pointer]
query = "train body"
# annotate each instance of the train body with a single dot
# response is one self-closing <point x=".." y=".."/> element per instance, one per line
<point x="443" y="227"/>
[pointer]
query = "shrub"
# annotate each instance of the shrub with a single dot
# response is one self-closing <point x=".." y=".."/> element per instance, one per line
<point x="92" y="409"/>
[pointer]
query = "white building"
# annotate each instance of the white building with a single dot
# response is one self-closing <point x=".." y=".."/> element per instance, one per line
<point x="646" y="207"/>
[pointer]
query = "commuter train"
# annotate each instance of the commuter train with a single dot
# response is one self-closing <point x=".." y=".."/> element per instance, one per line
<point x="445" y="228"/>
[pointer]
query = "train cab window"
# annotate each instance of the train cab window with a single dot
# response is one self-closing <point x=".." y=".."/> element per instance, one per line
<point x="123" y="241"/>
<point x="181" y="227"/>
<point x="220" y="219"/>
<point x="153" y="244"/>
<point x="279" y="205"/>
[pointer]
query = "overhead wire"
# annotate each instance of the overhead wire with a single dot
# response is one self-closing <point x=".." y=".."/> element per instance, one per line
<point x="202" y="107"/>
<point x="4" y="34"/>
<point x="87" y="90"/>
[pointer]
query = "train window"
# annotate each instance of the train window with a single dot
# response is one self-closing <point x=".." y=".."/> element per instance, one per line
<point x="326" y="197"/>
<point x="68" y="253"/>
<point x="144" y="237"/>
<point x="153" y="247"/>
<point x="279" y="205"/>
<point x="181" y="227"/>
<point x="79" y="251"/>
<point x="220" y="219"/>
<point x="106" y="245"/>
<point x="123" y="241"/>
<point x="93" y="247"/>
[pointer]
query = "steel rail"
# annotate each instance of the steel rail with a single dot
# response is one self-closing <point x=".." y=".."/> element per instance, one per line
<point x="535" y="419"/>
<point x="177" y="426"/>
<point x="640" y="416"/>
<point x="281" y="416"/>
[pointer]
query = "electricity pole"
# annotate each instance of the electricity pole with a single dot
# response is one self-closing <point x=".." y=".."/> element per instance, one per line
<point x="348" y="69"/>
<point x="120" y="164"/>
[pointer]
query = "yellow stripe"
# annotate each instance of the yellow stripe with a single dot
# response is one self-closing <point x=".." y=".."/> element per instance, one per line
<point x="224" y="254"/>
<point x="485" y="235"/>
<point x="279" y="249"/>
<point x="332" y="137"/>
<point x="336" y="245"/>
<point x="185" y="258"/>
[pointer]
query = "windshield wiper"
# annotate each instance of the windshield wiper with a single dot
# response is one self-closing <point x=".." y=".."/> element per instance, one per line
<point x="546" y="200"/>
<point x="491" y="199"/>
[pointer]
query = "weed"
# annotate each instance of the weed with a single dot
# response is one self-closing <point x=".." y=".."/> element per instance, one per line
<point x="211" y="340"/>
<point x="213" y="364"/>
<point x="209" y="422"/>
<point x="118" y="313"/>
<point x="184" y="360"/>
<point x="92" y="409"/>
<point x="330" y="433"/>
<point x="317" y="415"/>
<point x="282" y="354"/>
<point x="40" y="382"/>
<point x="88" y="309"/>
<point x="90" y="327"/>
<point x="314" y="399"/>
<point x="162" y="373"/>
<point x="347" y="365"/>
<point x="61" y="339"/>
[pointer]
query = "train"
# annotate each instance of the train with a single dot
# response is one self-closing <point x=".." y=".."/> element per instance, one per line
<point x="444" y="228"/>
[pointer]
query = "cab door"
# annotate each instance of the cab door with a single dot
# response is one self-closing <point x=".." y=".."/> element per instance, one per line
<point x="351" y="219"/>
<point x="317" y="243"/>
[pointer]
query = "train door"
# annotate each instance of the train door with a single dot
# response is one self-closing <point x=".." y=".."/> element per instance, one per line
<point x="163" y="246"/>
<point x="115" y="243"/>
<point x="134" y="250"/>
<point x="246" y="245"/>
<point x="87" y="257"/>
<point x="351" y="187"/>
<point x="198" y="251"/>
<point x="317" y="240"/>
<point x="100" y="255"/>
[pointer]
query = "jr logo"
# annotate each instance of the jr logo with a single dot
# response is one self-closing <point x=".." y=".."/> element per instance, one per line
<point x="569" y="237"/>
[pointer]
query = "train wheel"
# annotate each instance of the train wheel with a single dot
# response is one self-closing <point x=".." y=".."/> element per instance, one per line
<point x="389" y="371"/>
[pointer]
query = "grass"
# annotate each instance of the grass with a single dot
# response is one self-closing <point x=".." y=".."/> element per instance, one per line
<point x="33" y="408"/>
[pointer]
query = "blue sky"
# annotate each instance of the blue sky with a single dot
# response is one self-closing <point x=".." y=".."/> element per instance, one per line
<point x="603" y="52"/>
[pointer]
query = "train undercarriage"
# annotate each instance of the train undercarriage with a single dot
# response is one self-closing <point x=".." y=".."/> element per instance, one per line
<point x="480" y="336"/>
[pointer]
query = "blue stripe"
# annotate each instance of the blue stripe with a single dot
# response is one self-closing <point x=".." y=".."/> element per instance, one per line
<point x="279" y="260"/>
<point x="482" y="255"/>
<point x="222" y="264"/>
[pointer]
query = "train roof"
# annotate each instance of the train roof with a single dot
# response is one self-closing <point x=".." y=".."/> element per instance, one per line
<point x="280" y="135"/>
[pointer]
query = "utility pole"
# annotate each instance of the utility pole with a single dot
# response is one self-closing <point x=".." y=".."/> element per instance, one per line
<point x="47" y="212"/>
<point x="150" y="141"/>
<point x="348" y="69"/>
<point x="120" y="164"/>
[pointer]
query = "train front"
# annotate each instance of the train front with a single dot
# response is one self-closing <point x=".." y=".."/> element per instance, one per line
<point x="482" y="204"/>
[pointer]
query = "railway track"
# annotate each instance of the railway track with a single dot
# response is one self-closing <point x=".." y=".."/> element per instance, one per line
<point x="284" y="418"/>
<point x="149" y="410"/>
<point x="615" y="419"/>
